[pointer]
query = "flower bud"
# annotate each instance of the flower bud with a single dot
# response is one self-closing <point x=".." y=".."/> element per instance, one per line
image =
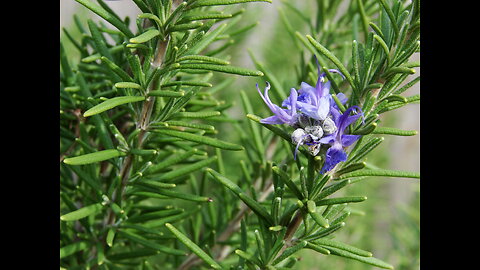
<point x="298" y="135"/>
<point x="315" y="131"/>
<point x="329" y="126"/>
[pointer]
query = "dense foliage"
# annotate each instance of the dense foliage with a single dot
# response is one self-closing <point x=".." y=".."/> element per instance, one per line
<point x="158" y="172"/>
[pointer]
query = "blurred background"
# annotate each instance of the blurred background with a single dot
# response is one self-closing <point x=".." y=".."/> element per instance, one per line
<point x="388" y="223"/>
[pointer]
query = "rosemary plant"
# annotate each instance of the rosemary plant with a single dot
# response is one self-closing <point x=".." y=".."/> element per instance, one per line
<point x="155" y="172"/>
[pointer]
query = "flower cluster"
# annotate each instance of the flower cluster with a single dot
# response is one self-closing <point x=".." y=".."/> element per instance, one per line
<point x="317" y="119"/>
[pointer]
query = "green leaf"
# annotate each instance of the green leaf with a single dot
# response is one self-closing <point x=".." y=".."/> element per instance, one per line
<point x="407" y="86"/>
<point x="150" y="16"/>
<point x="94" y="157"/>
<point x="164" y="212"/>
<point x="368" y="260"/>
<point x="200" y="139"/>
<point x="332" y="189"/>
<point x="120" y="72"/>
<point x="318" y="248"/>
<point x="340" y="200"/>
<point x="364" y="17"/>
<point x="98" y="39"/>
<point x="173" y="15"/>
<point x="319" y="219"/>
<point x="184" y="170"/>
<point x="193" y="247"/>
<point x="145" y="36"/>
<point x="400" y="69"/>
<point x="248" y="256"/>
<point x="204" y="114"/>
<point x="85" y="176"/>
<point x="351" y="168"/>
<point x="367" y="148"/>
<point x="112" y="103"/>
<point x="155" y="184"/>
<point x="395" y="104"/>
<point x="107" y="16"/>
<point x="190" y="124"/>
<point x="390" y="16"/>
<point x="386" y="173"/>
<point x="166" y="93"/>
<point x="290" y="251"/>
<point x="343" y="246"/>
<point x="180" y="195"/>
<point x="203" y="58"/>
<point x="143" y="152"/>
<point x="384" y="46"/>
<point x="100" y="253"/>
<point x="128" y="85"/>
<point x="73" y="248"/>
<point x="325" y="232"/>
<point x="256" y="207"/>
<point x="225" y="181"/>
<point x="394" y="131"/>
<point x="286" y="179"/>
<point x="170" y="161"/>
<point x="184" y="27"/>
<point x="132" y="254"/>
<point x="275" y="210"/>
<point x="221" y="68"/>
<point x="399" y="98"/>
<point x="332" y="58"/>
<point x="203" y="3"/>
<point x="186" y="83"/>
<point x="144" y="242"/>
<point x="204" y="16"/>
<point x="251" y="203"/>
<point x="82" y="212"/>
<point x="206" y="40"/>
<point x="365" y="130"/>
<point x="162" y="221"/>
<point x="339" y="104"/>
<point x="110" y="236"/>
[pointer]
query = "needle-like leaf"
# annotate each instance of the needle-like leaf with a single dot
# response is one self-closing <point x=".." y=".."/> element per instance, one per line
<point x="193" y="247"/>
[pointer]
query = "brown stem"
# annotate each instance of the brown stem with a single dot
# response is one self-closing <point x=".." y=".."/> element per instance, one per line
<point x="291" y="229"/>
<point x="142" y="124"/>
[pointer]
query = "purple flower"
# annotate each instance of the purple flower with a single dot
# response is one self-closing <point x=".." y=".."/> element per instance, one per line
<point x="339" y="140"/>
<point x="318" y="122"/>
<point x="281" y="116"/>
<point x="316" y="102"/>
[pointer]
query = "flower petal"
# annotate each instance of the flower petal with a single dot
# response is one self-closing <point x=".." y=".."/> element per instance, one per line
<point x="347" y="140"/>
<point x="307" y="109"/>
<point x="272" y="120"/>
<point x="323" y="89"/>
<point x="293" y="101"/>
<point x="265" y="98"/>
<point x="328" y="139"/>
<point x="334" y="155"/>
<point x="323" y="108"/>
<point x="346" y="119"/>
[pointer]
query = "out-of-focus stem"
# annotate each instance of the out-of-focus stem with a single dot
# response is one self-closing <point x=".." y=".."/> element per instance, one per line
<point x="142" y="124"/>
